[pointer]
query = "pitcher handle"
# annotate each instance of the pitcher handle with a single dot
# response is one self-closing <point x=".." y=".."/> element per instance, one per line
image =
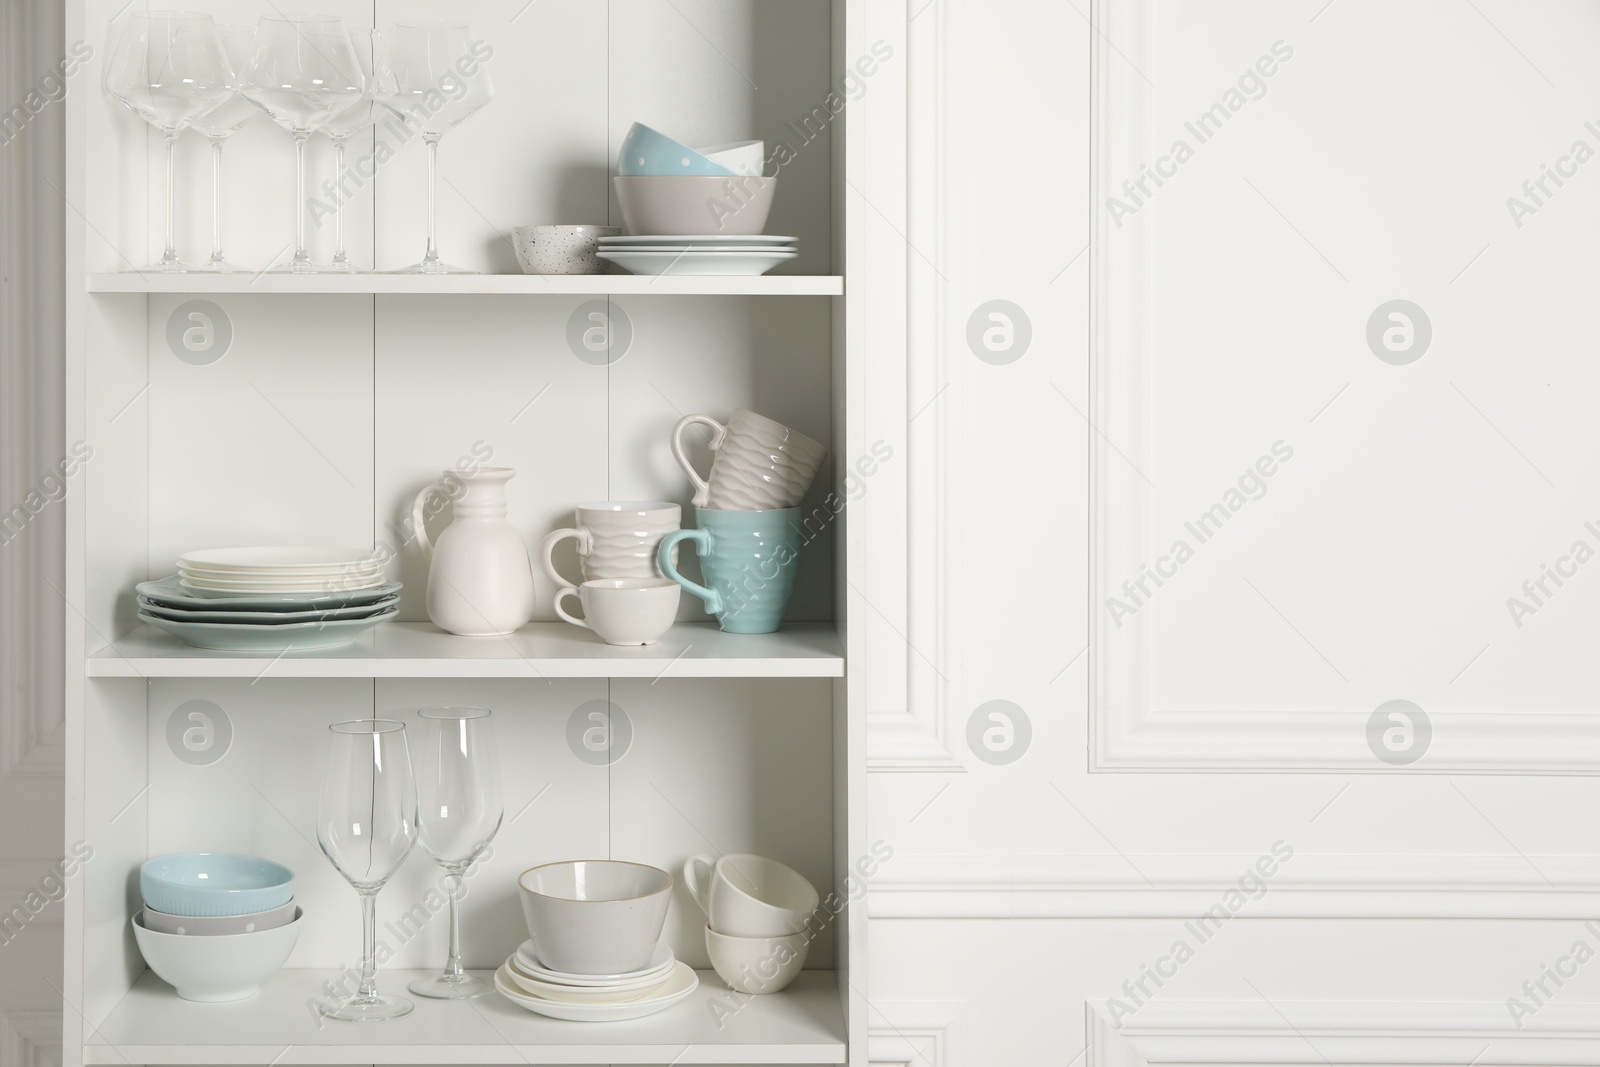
<point x="417" y="524"/>
<point x="719" y="433"/>
<point x="702" y="542"/>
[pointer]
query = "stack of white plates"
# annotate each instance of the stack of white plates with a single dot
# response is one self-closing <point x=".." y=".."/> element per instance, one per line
<point x="658" y="985"/>
<point x="271" y="599"/>
<point x="699" y="254"/>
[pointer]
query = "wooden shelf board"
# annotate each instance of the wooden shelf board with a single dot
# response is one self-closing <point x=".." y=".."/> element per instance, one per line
<point x="539" y="650"/>
<point x="803" y="1024"/>
<point x="457" y="284"/>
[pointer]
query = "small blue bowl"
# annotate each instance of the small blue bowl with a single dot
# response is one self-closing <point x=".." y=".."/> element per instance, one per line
<point x="209" y="884"/>
<point x="648" y="153"/>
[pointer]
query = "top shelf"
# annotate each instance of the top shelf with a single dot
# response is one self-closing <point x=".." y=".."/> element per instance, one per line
<point x="452" y="284"/>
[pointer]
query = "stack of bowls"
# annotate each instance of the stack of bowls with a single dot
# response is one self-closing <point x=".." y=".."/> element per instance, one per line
<point x="595" y="953"/>
<point x="757" y="935"/>
<point x="216" y="925"/>
<point x="694" y="211"/>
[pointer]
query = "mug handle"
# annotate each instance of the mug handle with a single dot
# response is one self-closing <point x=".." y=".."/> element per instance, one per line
<point x="548" y="547"/>
<point x="719" y="433"/>
<point x="416" y="517"/>
<point x="700" y="885"/>
<point x="561" y="593"/>
<point x="702" y="542"/>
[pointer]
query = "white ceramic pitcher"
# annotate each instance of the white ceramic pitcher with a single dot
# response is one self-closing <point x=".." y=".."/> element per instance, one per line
<point x="480" y="580"/>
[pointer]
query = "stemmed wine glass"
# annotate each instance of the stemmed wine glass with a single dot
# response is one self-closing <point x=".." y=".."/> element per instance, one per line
<point x="219" y="124"/>
<point x="366" y="824"/>
<point x="169" y="67"/>
<point x="368" y="48"/>
<point x="302" y="72"/>
<point x="440" y="82"/>
<point x="458" y="813"/>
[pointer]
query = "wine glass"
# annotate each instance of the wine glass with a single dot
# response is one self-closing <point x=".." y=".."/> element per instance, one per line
<point x="440" y="81"/>
<point x="458" y="813"/>
<point x="366" y="824"/>
<point x="302" y="72"/>
<point x="169" y="67"/>
<point x="361" y="115"/>
<point x="219" y="124"/>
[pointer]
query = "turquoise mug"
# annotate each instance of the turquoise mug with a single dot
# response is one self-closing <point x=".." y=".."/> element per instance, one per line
<point x="748" y="559"/>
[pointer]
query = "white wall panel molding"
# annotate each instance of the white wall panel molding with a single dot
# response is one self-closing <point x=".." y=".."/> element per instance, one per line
<point x="914" y="1034"/>
<point x="1329" y="1033"/>
<point x="1183" y="886"/>
<point x="1127" y="732"/>
<point x="921" y="735"/>
<point x="30" y="1038"/>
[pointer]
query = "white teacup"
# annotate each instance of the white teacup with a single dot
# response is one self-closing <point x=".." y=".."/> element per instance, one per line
<point x="758" y="464"/>
<point x="616" y="539"/>
<point x="757" y="964"/>
<point x="624" y="611"/>
<point x="561" y="249"/>
<point x="750" y="896"/>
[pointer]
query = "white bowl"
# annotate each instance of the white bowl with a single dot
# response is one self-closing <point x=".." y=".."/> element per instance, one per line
<point x="212" y="969"/>
<point x="757" y="964"/>
<point x="708" y="206"/>
<point x="217" y="925"/>
<point x="741" y="157"/>
<point x="595" y="916"/>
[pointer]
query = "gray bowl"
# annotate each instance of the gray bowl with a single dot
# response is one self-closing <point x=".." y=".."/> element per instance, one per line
<point x="213" y="925"/>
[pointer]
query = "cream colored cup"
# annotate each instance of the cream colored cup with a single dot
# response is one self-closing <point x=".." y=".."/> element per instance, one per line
<point x="616" y="539"/>
<point x="750" y="896"/>
<point x="758" y="464"/>
<point x="757" y="964"/>
<point x="624" y="611"/>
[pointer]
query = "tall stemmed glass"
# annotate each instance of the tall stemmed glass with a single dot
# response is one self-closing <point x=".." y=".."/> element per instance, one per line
<point x="219" y="124"/>
<point x="169" y="68"/>
<point x="302" y="72"/>
<point x="361" y="115"/>
<point x="366" y="824"/>
<point x="458" y="813"/>
<point x="440" y="82"/>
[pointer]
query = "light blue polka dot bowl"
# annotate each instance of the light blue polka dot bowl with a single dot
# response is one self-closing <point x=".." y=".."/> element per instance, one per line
<point x="648" y="153"/>
<point x="214" y="883"/>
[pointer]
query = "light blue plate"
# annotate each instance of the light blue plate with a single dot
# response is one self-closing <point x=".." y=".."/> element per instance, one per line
<point x="266" y="618"/>
<point x="282" y="637"/>
<point x="648" y="153"/>
<point x="214" y="883"/>
<point x="168" y="593"/>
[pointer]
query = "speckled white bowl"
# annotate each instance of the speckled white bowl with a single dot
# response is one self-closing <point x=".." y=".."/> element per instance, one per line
<point x="561" y="249"/>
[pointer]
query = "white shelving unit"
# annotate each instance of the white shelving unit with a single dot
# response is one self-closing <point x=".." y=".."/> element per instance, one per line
<point x="337" y="397"/>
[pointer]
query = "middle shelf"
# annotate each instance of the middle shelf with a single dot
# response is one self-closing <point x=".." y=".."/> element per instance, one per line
<point x="539" y="650"/>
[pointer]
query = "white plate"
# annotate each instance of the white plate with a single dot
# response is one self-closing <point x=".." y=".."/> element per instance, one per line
<point x="249" y="559"/>
<point x="645" y="981"/>
<point x="568" y="994"/>
<point x="280" y="573"/>
<point x="680" y="984"/>
<point x="527" y="958"/>
<point x="698" y="264"/>
<point x="744" y="240"/>
<point x="311" y="587"/>
<point x="733" y="250"/>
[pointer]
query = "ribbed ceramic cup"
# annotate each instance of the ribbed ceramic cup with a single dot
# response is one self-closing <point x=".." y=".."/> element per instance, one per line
<point x="748" y="559"/>
<point x="758" y="464"/>
<point x="616" y="539"/>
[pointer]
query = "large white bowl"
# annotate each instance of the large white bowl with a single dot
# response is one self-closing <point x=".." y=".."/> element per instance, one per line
<point x="595" y="916"/>
<point x="224" y="967"/>
<point x="741" y="157"/>
<point x="707" y="206"/>
<point x="757" y="964"/>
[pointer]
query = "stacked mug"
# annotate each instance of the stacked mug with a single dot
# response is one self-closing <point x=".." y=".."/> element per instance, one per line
<point x="625" y="600"/>
<point x="757" y="912"/>
<point x="747" y="518"/>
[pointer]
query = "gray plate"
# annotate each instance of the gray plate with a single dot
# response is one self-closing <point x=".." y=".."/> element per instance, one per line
<point x="168" y="593"/>
<point x="265" y="618"/>
<point x="288" y="637"/>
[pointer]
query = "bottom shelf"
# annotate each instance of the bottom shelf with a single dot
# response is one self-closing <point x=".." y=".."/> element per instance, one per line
<point x="803" y="1024"/>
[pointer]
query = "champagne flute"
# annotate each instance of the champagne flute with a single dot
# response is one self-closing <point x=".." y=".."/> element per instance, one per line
<point x="440" y="82"/>
<point x="169" y="68"/>
<point x="219" y="124"/>
<point x="366" y="824"/>
<point x="361" y="115"/>
<point x="302" y="72"/>
<point x="458" y="813"/>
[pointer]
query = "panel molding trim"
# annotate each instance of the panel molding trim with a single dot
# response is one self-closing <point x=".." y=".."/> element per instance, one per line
<point x="914" y="1034"/>
<point x="1182" y="886"/>
<point x="30" y="1038"/>
<point x="1126" y="732"/>
<point x="1329" y="1033"/>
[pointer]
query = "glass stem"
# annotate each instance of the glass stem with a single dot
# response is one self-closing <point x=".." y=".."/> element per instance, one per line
<point x="452" y="965"/>
<point x="432" y="255"/>
<point x="301" y="259"/>
<point x="338" y="201"/>
<point x="369" y="946"/>
<point x="169" y="251"/>
<point x="216" y="200"/>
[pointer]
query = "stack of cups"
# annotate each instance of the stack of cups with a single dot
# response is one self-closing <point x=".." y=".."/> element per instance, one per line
<point x="747" y="514"/>
<point x="625" y="599"/>
<point x="757" y="909"/>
